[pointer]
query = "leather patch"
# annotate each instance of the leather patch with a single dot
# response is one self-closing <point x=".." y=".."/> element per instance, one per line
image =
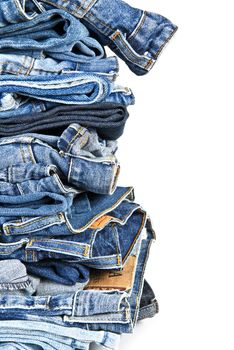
<point x="101" y="222"/>
<point x="112" y="279"/>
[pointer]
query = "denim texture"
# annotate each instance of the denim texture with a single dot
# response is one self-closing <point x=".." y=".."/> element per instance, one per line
<point x="55" y="34"/>
<point x="73" y="246"/>
<point x="136" y="36"/>
<point x="81" y="157"/>
<point x="148" y="305"/>
<point x="29" y="335"/>
<point x="87" y="209"/>
<point x="13" y="275"/>
<point x="16" y="11"/>
<point x="66" y="88"/>
<point x="30" y="66"/>
<point x="114" y="311"/>
<point x="108" y="120"/>
<point x="108" y="248"/>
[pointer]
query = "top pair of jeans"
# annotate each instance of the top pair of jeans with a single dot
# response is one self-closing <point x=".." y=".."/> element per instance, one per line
<point x="136" y="36"/>
<point x="108" y="119"/>
<point x="54" y="33"/>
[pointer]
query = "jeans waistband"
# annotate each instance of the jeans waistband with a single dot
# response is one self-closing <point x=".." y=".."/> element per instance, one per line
<point x="30" y="66"/>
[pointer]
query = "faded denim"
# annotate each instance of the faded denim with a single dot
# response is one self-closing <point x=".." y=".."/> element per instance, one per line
<point x="31" y="335"/>
<point x="29" y="66"/>
<point x="55" y="34"/>
<point x="66" y="88"/>
<point x="114" y="311"/>
<point x="82" y="159"/>
<point x="136" y="36"/>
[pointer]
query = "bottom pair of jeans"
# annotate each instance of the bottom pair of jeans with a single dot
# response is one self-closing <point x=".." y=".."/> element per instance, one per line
<point x="34" y="335"/>
<point x="107" y="118"/>
<point x="112" y="310"/>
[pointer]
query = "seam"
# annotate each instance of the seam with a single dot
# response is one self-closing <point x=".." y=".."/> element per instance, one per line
<point x="164" y="44"/>
<point x="136" y="237"/>
<point x="131" y="53"/>
<point x="138" y="27"/>
<point x="100" y="214"/>
<point x="27" y="223"/>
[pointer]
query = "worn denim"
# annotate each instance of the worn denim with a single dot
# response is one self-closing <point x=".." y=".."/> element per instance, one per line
<point x="29" y="66"/>
<point x="83" y="160"/>
<point x="88" y="211"/>
<point x="55" y="34"/>
<point x="128" y="323"/>
<point x="31" y="335"/>
<point x="148" y="305"/>
<point x="16" y="11"/>
<point x="13" y="275"/>
<point x="49" y="277"/>
<point x="114" y="311"/>
<point x="66" y="88"/>
<point x="107" y="248"/>
<point x="136" y="36"/>
<point x="107" y="119"/>
<point x="60" y="271"/>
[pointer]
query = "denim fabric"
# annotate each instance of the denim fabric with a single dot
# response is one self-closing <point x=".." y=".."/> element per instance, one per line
<point x="13" y="276"/>
<point x="29" y="335"/>
<point x="82" y="159"/>
<point x="26" y="65"/>
<point x="55" y="34"/>
<point x="127" y="325"/>
<point x="87" y="210"/>
<point x="59" y="271"/>
<point x="65" y="88"/>
<point x="41" y="287"/>
<point x="114" y="311"/>
<point x="81" y="304"/>
<point x="107" y="119"/>
<point x="149" y="305"/>
<point x="16" y="11"/>
<point x="136" y="36"/>
<point x="108" y="248"/>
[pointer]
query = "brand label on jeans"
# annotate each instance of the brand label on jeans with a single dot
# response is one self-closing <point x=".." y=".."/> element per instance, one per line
<point x="117" y="280"/>
<point x="101" y="222"/>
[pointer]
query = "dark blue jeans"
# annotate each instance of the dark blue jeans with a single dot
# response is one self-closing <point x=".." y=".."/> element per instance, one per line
<point x="107" y="118"/>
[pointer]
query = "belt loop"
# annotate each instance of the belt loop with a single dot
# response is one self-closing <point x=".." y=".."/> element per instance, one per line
<point x="74" y="304"/>
<point x="39" y="6"/>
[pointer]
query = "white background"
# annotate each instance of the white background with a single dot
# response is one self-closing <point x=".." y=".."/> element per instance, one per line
<point x="177" y="151"/>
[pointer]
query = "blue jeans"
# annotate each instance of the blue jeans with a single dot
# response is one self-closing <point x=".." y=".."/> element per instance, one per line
<point x="54" y="33"/>
<point x="31" y="335"/>
<point x="82" y="159"/>
<point x="108" y="119"/>
<point x="28" y="66"/>
<point x="66" y="88"/>
<point x="136" y="36"/>
<point x="100" y="248"/>
<point x="114" y="311"/>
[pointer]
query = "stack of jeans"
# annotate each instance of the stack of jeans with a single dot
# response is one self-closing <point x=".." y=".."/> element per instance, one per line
<point x="73" y="245"/>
